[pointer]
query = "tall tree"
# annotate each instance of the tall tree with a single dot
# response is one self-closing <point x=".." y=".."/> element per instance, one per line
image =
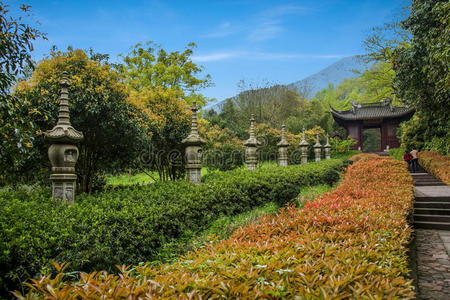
<point x="113" y="134"/>
<point x="16" y="44"/>
<point x="422" y="67"/>
<point x="162" y="84"/>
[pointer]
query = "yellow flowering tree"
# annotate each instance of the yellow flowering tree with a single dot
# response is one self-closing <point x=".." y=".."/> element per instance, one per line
<point x="113" y="134"/>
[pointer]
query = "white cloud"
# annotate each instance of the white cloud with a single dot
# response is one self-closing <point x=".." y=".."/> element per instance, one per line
<point x="270" y="22"/>
<point x="216" y="56"/>
<point x="266" y="31"/>
<point x="271" y="56"/>
<point x="224" y="29"/>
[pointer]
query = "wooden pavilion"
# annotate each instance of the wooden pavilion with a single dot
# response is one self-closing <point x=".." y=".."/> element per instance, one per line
<point x="382" y="115"/>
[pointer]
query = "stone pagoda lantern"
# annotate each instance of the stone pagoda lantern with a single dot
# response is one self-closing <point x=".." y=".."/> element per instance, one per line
<point x="327" y="148"/>
<point x="193" y="152"/>
<point x="251" y="146"/>
<point x="304" y="148"/>
<point x="282" y="148"/>
<point x="317" y="148"/>
<point x="63" y="152"/>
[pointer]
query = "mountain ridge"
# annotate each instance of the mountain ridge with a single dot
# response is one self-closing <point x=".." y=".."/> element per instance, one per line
<point x="347" y="67"/>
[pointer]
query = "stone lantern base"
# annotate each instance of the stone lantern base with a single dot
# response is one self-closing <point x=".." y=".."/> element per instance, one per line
<point x="193" y="173"/>
<point x="64" y="186"/>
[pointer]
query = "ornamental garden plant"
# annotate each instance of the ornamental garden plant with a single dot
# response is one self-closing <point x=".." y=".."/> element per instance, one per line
<point x="436" y="164"/>
<point x="130" y="225"/>
<point x="348" y="243"/>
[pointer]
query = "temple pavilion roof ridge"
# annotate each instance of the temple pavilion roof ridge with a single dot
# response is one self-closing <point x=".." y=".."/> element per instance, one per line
<point x="376" y="110"/>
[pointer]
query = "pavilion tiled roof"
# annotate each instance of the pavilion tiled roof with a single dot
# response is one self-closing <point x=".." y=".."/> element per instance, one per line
<point x="372" y="111"/>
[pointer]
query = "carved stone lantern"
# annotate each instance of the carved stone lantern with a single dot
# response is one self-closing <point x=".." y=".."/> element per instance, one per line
<point x="63" y="152"/>
<point x="251" y="146"/>
<point x="193" y="152"/>
<point x="317" y="148"/>
<point x="282" y="148"/>
<point x="304" y="148"/>
<point x="327" y="148"/>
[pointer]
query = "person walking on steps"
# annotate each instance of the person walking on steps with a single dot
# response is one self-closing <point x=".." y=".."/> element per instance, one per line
<point x="408" y="158"/>
<point x="415" y="158"/>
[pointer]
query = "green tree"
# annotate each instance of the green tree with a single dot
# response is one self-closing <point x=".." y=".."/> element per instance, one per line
<point x="113" y="136"/>
<point x="422" y="68"/>
<point x="16" y="44"/>
<point x="162" y="84"/>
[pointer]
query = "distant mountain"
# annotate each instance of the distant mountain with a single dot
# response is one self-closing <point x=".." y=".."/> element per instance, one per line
<point x="333" y="74"/>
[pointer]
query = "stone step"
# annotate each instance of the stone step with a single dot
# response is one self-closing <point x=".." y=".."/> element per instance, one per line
<point x="432" y="218"/>
<point x="431" y="211"/>
<point x="432" y="199"/>
<point x="429" y="184"/>
<point x="432" y="225"/>
<point x="434" y="204"/>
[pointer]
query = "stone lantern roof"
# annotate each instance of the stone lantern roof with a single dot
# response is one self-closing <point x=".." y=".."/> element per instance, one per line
<point x="283" y="142"/>
<point x="303" y="142"/>
<point x="327" y="145"/>
<point x="63" y="132"/>
<point x="252" y="141"/>
<point x="194" y="138"/>
<point x="317" y="145"/>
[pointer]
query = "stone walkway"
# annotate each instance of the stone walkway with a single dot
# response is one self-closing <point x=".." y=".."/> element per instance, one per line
<point x="432" y="247"/>
<point x="433" y="264"/>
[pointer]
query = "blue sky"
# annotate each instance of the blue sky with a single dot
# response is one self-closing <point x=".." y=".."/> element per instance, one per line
<point x="276" y="41"/>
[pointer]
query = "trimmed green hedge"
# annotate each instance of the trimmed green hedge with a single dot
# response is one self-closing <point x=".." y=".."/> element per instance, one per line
<point x="131" y="225"/>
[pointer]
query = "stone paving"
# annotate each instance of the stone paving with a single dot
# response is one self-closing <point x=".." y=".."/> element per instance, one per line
<point x="433" y="264"/>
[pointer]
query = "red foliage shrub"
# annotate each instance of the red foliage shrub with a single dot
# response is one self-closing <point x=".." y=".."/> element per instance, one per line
<point x="436" y="164"/>
<point x="349" y="243"/>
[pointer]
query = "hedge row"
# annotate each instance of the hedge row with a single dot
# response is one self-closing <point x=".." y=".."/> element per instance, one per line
<point x="133" y="225"/>
<point x="349" y="243"/>
<point x="436" y="164"/>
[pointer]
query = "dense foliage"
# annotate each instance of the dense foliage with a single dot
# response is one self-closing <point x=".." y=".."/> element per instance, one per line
<point x="132" y="225"/>
<point x="422" y="68"/>
<point x="349" y="243"/>
<point x="162" y="84"/>
<point x="436" y="164"/>
<point x="16" y="44"/>
<point x="113" y="134"/>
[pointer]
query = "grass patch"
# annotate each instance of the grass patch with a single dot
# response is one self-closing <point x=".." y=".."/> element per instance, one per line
<point x="309" y="193"/>
<point x="139" y="178"/>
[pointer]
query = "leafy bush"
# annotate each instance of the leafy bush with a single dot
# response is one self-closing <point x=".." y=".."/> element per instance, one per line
<point x="133" y="224"/>
<point x="436" y="164"/>
<point x="349" y="243"/>
<point x="397" y="153"/>
<point x="341" y="146"/>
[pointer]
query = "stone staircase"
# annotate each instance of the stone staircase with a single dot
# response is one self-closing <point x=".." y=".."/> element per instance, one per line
<point x="432" y="202"/>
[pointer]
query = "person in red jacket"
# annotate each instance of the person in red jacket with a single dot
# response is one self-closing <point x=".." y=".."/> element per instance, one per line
<point x="408" y="158"/>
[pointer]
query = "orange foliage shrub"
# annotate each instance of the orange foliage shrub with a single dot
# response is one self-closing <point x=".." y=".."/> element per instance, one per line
<point x="436" y="164"/>
<point x="349" y="243"/>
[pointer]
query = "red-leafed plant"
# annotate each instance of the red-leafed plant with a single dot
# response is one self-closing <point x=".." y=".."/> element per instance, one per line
<point x="436" y="164"/>
<point x="349" y="243"/>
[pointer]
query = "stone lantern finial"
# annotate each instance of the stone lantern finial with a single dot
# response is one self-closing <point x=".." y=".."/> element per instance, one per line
<point x="327" y="148"/>
<point x="193" y="152"/>
<point x="283" y="144"/>
<point x="63" y="153"/>
<point x="317" y="148"/>
<point x="251" y="146"/>
<point x="304" y="148"/>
